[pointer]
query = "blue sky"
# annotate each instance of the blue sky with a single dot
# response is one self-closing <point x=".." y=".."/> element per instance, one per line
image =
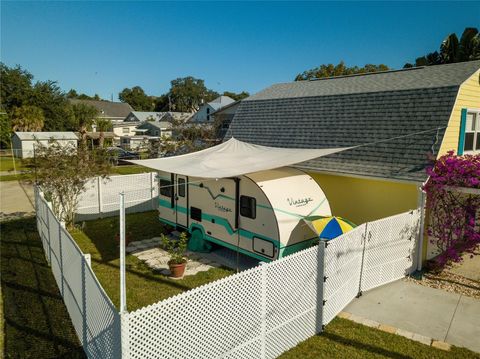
<point x="102" y="47"/>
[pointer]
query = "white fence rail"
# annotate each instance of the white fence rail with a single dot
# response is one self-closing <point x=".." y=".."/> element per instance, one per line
<point x="94" y="317"/>
<point x="101" y="196"/>
<point x="259" y="313"/>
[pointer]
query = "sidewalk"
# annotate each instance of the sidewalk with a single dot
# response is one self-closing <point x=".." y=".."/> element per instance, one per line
<point x="16" y="200"/>
<point x="430" y="312"/>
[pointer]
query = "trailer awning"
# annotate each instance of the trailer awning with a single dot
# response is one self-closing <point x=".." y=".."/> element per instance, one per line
<point x="233" y="158"/>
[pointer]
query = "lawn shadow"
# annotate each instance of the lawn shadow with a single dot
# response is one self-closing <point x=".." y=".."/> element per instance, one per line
<point x="37" y="324"/>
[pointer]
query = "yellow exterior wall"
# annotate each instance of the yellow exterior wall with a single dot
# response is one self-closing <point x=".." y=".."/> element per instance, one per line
<point x="360" y="200"/>
<point x="468" y="97"/>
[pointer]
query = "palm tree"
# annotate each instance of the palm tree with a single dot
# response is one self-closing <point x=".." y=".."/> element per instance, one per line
<point x="85" y="116"/>
<point x="103" y="125"/>
<point x="27" y="118"/>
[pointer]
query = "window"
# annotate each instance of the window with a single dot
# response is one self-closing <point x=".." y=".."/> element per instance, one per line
<point x="248" y="207"/>
<point x="208" y="114"/>
<point x="196" y="214"/>
<point x="181" y="187"/>
<point x="165" y="188"/>
<point x="125" y="130"/>
<point x="472" y="131"/>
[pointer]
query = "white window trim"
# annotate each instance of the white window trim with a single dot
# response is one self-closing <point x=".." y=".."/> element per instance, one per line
<point x="477" y="131"/>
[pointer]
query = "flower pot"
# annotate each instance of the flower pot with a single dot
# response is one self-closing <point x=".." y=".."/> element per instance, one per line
<point x="177" y="269"/>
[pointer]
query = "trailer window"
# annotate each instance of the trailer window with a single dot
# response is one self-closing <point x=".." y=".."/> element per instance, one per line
<point x="248" y="207"/>
<point x="181" y="187"/>
<point x="196" y="214"/>
<point x="165" y="188"/>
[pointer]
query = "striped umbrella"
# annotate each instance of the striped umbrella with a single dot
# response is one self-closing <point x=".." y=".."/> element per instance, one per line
<point x="329" y="227"/>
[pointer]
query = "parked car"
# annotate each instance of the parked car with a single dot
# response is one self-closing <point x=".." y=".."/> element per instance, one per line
<point x="118" y="156"/>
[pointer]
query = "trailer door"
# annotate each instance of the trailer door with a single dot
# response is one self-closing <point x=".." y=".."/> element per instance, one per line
<point x="181" y="200"/>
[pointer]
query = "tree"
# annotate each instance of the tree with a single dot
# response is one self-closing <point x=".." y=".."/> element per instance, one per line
<point x="340" y="69"/>
<point x="452" y="50"/>
<point x="103" y="125"/>
<point x="85" y="115"/>
<point x="5" y="130"/>
<point x="27" y="118"/>
<point x="15" y="87"/>
<point x="236" y="96"/>
<point x="137" y="98"/>
<point x="187" y="94"/>
<point x="63" y="171"/>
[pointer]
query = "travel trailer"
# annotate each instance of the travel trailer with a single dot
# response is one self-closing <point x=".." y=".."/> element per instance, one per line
<point x="258" y="214"/>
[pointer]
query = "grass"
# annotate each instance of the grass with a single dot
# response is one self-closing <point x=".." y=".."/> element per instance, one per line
<point x="345" y="339"/>
<point x="129" y="170"/>
<point x="144" y="287"/>
<point x="36" y="321"/>
<point x="6" y="164"/>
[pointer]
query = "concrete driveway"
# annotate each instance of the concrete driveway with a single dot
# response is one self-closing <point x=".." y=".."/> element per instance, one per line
<point x="434" y="313"/>
<point x="16" y="200"/>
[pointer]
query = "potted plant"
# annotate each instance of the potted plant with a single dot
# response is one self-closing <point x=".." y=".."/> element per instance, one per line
<point x="176" y="248"/>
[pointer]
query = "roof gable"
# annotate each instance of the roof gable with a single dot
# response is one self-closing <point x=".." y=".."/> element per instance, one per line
<point x="107" y="109"/>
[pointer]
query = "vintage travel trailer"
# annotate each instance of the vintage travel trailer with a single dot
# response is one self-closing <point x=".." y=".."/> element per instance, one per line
<point x="258" y="214"/>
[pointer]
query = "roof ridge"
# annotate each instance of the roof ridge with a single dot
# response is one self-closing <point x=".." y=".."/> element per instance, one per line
<point x="367" y="73"/>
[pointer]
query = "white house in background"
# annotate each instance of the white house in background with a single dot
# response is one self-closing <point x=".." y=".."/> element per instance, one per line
<point x="203" y="115"/>
<point x="23" y="143"/>
<point x="142" y="116"/>
<point x="124" y="129"/>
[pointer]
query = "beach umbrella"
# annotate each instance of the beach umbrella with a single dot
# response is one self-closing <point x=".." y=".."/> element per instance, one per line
<point x="329" y="227"/>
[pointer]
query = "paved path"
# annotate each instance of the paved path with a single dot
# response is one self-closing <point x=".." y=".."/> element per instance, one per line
<point x="16" y="200"/>
<point x="430" y="312"/>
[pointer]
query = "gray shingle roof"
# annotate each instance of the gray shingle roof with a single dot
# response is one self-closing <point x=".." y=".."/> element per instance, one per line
<point x="329" y="113"/>
<point x="107" y="109"/>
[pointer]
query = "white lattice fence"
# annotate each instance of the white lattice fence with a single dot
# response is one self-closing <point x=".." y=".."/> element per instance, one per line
<point x="101" y="196"/>
<point x="258" y="313"/>
<point x="94" y="317"/>
<point x="343" y="266"/>
<point x="390" y="249"/>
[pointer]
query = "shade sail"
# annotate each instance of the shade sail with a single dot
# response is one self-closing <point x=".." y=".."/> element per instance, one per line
<point x="233" y="158"/>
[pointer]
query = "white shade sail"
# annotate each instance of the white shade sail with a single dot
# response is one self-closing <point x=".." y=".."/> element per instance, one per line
<point x="233" y="158"/>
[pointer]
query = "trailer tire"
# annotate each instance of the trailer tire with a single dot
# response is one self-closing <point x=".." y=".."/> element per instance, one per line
<point x="197" y="242"/>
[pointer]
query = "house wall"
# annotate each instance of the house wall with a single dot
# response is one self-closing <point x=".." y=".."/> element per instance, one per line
<point x="468" y="97"/>
<point x="201" y="115"/>
<point x="360" y="200"/>
<point x="26" y="146"/>
<point x="17" y="146"/>
<point x="118" y="130"/>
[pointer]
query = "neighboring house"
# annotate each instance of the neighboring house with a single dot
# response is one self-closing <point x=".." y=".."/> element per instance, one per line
<point x="203" y="115"/>
<point x="113" y="111"/>
<point x="124" y="129"/>
<point x="136" y="142"/>
<point x="142" y="116"/>
<point x="398" y="118"/>
<point x="156" y="128"/>
<point x="24" y="143"/>
<point x="223" y="117"/>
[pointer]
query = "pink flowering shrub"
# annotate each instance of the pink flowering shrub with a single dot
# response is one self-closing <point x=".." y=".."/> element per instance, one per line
<point x="454" y="222"/>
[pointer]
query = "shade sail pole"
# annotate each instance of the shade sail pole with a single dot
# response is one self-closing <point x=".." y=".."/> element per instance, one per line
<point x="123" y="287"/>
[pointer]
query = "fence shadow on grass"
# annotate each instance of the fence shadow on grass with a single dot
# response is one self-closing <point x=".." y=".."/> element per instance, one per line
<point x="37" y="324"/>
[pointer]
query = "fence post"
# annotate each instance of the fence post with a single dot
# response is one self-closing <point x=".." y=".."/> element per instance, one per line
<point x="152" y="189"/>
<point x="321" y="283"/>
<point x="100" y="201"/>
<point x="422" y="229"/>
<point x="84" y="307"/>
<point x="264" y="310"/>
<point x="125" y="334"/>
<point x="49" y="205"/>
<point x="364" y="240"/>
<point x="60" y="226"/>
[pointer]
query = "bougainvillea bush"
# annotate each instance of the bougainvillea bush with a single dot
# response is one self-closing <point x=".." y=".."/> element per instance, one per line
<point x="454" y="206"/>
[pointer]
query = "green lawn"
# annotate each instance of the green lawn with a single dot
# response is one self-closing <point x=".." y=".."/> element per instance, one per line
<point x="144" y="287"/>
<point x="129" y="169"/>
<point x="343" y="338"/>
<point x="36" y="321"/>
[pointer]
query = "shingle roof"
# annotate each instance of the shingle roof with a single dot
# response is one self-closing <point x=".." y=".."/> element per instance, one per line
<point x="220" y="102"/>
<point x="33" y="136"/>
<point x="106" y="108"/>
<point x="348" y="111"/>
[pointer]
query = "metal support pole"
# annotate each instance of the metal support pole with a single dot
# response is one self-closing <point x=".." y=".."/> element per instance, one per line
<point x="123" y="290"/>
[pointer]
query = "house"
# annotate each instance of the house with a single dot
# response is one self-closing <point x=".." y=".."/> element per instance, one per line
<point x="124" y="129"/>
<point x="223" y="117"/>
<point x="396" y="118"/>
<point x="24" y="143"/>
<point x="203" y="115"/>
<point x="142" y="116"/>
<point x="114" y="111"/>
<point x="156" y="128"/>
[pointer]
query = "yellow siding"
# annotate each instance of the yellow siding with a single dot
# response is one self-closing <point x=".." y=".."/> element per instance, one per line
<point x="468" y="97"/>
<point x="361" y="200"/>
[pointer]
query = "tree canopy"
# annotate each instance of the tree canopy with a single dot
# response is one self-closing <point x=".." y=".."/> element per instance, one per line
<point x="137" y="98"/>
<point x="27" y="118"/>
<point x="453" y="50"/>
<point x="338" y="70"/>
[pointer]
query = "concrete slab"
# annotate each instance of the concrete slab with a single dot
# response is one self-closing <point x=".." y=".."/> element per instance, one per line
<point x="411" y="307"/>
<point x="14" y="200"/>
<point x="465" y="328"/>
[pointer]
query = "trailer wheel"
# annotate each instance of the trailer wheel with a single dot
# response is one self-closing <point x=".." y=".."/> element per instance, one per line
<point x="197" y="242"/>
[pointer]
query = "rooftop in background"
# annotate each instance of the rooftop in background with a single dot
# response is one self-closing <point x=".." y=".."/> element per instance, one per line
<point x="142" y="116"/>
<point x="115" y="111"/>
<point x="396" y="80"/>
<point x="221" y="101"/>
<point x="353" y="110"/>
<point x="33" y="136"/>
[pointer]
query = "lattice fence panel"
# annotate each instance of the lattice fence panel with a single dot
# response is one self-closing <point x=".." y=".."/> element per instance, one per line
<point x="220" y="319"/>
<point x="56" y="255"/>
<point x="89" y="201"/>
<point x="343" y="263"/>
<point x="294" y="293"/>
<point x="102" y="321"/>
<point x="390" y="249"/>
